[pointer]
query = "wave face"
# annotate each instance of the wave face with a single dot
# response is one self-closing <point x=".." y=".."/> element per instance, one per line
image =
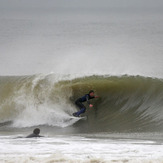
<point x="126" y="103"/>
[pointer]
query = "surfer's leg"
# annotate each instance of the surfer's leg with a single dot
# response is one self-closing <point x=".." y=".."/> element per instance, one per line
<point x="81" y="111"/>
<point x="81" y="107"/>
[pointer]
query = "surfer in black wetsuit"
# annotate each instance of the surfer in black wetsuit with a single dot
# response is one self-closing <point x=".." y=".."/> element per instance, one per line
<point x="79" y="102"/>
<point x="35" y="133"/>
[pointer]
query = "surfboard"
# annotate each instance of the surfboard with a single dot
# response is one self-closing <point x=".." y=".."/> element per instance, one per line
<point x="79" y="118"/>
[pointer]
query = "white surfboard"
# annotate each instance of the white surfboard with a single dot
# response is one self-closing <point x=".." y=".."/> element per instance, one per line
<point x="80" y="118"/>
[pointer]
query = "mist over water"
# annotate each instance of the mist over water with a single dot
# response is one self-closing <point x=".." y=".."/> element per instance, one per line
<point x="89" y="37"/>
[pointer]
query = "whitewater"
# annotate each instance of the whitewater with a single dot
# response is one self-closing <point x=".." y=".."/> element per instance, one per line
<point x="135" y="102"/>
<point x="124" y="125"/>
<point x="53" y="52"/>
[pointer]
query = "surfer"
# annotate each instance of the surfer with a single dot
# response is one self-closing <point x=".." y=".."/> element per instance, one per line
<point x="85" y="98"/>
<point x="35" y="133"/>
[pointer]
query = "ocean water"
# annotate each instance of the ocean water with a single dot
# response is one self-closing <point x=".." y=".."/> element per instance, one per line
<point x="125" y="125"/>
<point x="53" y="52"/>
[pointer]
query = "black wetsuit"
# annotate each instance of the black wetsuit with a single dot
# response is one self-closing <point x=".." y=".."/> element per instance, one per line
<point x="79" y="102"/>
<point x="33" y="135"/>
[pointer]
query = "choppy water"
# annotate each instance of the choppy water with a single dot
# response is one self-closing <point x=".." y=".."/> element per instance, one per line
<point x="124" y="125"/>
<point x="106" y="147"/>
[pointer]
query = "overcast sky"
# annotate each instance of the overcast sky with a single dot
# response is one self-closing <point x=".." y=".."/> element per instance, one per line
<point x="94" y="4"/>
<point x="46" y="35"/>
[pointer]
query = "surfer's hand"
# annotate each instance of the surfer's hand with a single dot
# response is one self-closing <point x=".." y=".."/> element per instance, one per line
<point x="90" y="105"/>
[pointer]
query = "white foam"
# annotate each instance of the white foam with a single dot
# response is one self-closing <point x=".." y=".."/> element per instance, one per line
<point x="79" y="149"/>
<point x="38" y="102"/>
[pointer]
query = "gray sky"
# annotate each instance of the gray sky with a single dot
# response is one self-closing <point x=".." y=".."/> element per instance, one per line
<point x="40" y="36"/>
<point x="91" y="4"/>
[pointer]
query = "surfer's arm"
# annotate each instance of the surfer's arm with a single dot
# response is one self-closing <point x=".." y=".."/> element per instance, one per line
<point x="96" y="96"/>
<point x="87" y="99"/>
<point x="90" y="105"/>
<point x="88" y="102"/>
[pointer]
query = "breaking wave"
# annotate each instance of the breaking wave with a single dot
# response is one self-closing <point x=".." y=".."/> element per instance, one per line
<point x="126" y="103"/>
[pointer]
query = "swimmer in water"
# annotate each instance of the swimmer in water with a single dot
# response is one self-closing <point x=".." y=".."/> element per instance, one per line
<point x="35" y="133"/>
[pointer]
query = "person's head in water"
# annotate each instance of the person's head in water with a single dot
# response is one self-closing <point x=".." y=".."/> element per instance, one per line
<point x="36" y="131"/>
<point x="91" y="93"/>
